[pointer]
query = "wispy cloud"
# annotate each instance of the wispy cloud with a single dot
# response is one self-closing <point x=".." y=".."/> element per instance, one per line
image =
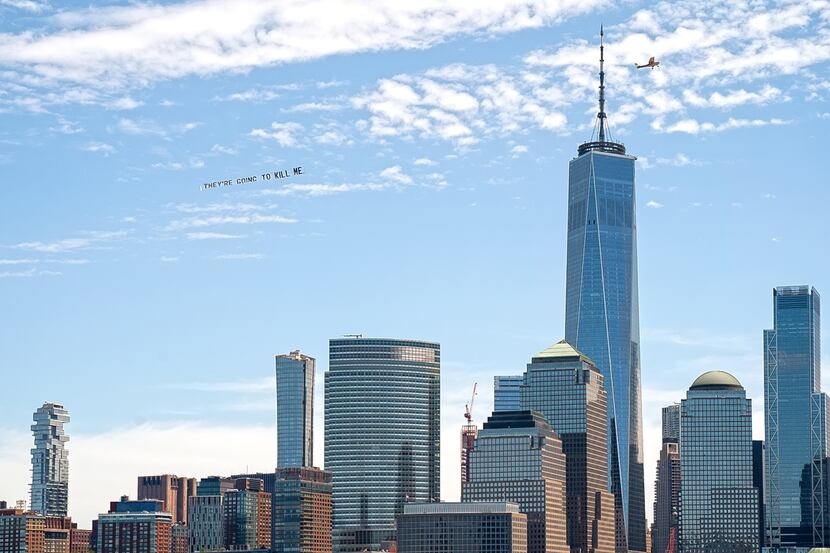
<point x="89" y="239"/>
<point x="99" y="148"/>
<point x="692" y="126"/>
<point x="238" y="256"/>
<point x="28" y="273"/>
<point x="653" y="204"/>
<point x="284" y="133"/>
<point x="212" y="236"/>
<point x="143" y="43"/>
<point x="217" y="220"/>
<point x="27" y="5"/>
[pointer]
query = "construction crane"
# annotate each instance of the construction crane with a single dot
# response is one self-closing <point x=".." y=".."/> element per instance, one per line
<point x="468" y="408"/>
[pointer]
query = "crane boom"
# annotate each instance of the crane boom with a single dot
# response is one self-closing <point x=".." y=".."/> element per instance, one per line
<point x="468" y="409"/>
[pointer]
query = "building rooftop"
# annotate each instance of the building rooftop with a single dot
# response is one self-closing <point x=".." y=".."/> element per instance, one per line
<point x="716" y="380"/>
<point x="560" y="350"/>
<point x="459" y="508"/>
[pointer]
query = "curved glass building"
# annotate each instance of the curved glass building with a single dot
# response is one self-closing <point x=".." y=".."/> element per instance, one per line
<point x="382" y="434"/>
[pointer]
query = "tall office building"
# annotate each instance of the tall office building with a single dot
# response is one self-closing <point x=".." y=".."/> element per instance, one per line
<point x="667" y="484"/>
<point x="462" y="528"/>
<point x="171" y="489"/>
<point x="382" y="434"/>
<point x="601" y="306"/>
<point x="302" y="511"/>
<point x="50" y="461"/>
<point x="718" y="500"/>
<point x="566" y="387"/>
<point x="295" y="410"/>
<point x="507" y="393"/>
<point x="246" y="516"/>
<point x="518" y="459"/>
<point x="796" y="422"/>
<point x="204" y="513"/>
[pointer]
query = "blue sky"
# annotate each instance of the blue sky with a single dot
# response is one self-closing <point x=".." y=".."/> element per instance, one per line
<point x="434" y="141"/>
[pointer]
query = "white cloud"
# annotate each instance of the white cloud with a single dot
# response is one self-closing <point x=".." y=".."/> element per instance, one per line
<point x="653" y="204"/>
<point x="252" y="95"/>
<point x="284" y="133"/>
<point x="90" y="239"/>
<point x="143" y="43"/>
<point x="18" y="261"/>
<point x="692" y="126"/>
<point x="218" y="149"/>
<point x="64" y="126"/>
<point x="212" y="236"/>
<point x="519" y="149"/>
<point x="228" y="220"/>
<point x="314" y="106"/>
<point x="396" y="174"/>
<point x="99" y="147"/>
<point x="424" y="161"/>
<point x="125" y="103"/>
<point x="321" y="189"/>
<point x="28" y="273"/>
<point x="27" y="5"/>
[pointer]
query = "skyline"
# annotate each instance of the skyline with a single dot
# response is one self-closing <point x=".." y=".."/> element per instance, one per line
<point x="487" y="268"/>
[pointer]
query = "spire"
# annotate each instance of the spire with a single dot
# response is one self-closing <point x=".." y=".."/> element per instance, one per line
<point x="603" y="142"/>
<point x="601" y="115"/>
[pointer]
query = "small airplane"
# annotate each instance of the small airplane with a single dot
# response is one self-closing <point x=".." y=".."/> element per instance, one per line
<point x="651" y="63"/>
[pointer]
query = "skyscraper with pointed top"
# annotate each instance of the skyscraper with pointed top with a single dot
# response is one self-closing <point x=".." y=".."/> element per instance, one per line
<point x="601" y="305"/>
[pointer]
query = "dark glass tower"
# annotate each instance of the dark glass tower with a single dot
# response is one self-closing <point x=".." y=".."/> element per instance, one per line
<point x="796" y="422"/>
<point x="295" y="410"/>
<point x="382" y="435"/>
<point x="601" y="307"/>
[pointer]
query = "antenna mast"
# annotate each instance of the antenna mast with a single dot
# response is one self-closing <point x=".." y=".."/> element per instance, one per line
<point x="601" y="114"/>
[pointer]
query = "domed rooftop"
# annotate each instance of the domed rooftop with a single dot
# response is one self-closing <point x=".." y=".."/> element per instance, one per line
<point x="716" y="380"/>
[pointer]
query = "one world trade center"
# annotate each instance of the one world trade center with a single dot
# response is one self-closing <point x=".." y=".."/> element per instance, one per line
<point x="601" y="307"/>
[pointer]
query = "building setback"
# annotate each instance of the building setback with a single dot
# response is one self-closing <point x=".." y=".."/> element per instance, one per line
<point x="50" y="461"/>
<point x="602" y="310"/>
<point x="518" y="459"/>
<point x="462" y="528"/>
<point x="565" y="386"/>
<point x="718" y="501"/>
<point x="797" y="514"/>
<point x="171" y="489"/>
<point x="302" y="511"/>
<point x="295" y="410"/>
<point x="507" y="393"/>
<point x="382" y="434"/>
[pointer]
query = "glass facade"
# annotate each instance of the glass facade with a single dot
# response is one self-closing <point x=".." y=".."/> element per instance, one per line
<point x="302" y="511"/>
<point x="50" y="461"/>
<point x="462" y="528"/>
<point x="295" y="410"/>
<point x="507" y="394"/>
<point x="796" y="415"/>
<point x="602" y="315"/>
<point x="382" y="434"/>
<point x="666" y="497"/>
<point x="718" y="500"/>
<point x="671" y="423"/>
<point x="518" y="458"/>
<point x="566" y="387"/>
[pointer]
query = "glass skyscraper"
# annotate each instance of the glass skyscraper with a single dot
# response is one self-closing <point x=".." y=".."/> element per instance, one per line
<point x="667" y="483"/>
<point x="507" y="393"/>
<point x="295" y="410"/>
<point x="601" y="307"/>
<point x="382" y="434"/>
<point x="566" y="387"/>
<point x="718" y="498"/>
<point x="796" y="422"/>
<point x="50" y="461"/>
<point x="518" y="458"/>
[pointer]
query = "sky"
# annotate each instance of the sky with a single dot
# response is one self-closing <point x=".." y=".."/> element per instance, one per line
<point x="434" y="140"/>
